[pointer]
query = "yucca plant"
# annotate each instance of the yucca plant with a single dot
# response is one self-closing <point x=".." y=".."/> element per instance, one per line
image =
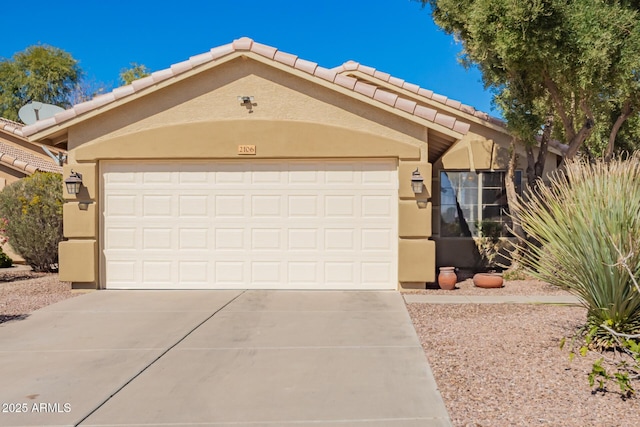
<point x="585" y="229"/>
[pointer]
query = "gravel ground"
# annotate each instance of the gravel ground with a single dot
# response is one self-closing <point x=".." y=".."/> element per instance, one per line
<point x="501" y="364"/>
<point x="495" y="364"/>
<point x="23" y="291"/>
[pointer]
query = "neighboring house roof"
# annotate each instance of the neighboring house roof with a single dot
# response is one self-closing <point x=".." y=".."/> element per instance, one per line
<point x="22" y="156"/>
<point x="10" y="126"/>
<point x="247" y="46"/>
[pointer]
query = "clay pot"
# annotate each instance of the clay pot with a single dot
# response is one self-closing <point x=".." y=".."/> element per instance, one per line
<point x="488" y="280"/>
<point x="447" y="278"/>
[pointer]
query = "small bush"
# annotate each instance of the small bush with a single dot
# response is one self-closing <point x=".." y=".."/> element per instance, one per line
<point x="5" y="260"/>
<point x="33" y="210"/>
<point x="518" y="274"/>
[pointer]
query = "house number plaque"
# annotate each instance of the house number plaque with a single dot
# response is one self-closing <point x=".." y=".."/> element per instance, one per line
<point x="247" y="150"/>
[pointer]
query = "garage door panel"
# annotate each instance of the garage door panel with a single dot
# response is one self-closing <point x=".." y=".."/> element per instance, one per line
<point x="157" y="238"/>
<point x="193" y="205"/>
<point x="267" y="205"/>
<point x="302" y="239"/>
<point x="194" y="273"/>
<point x="121" y="205"/>
<point x="229" y="206"/>
<point x="193" y="238"/>
<point x="157" y="271"/>
<point x="262" y="225"/>
<point x="230" y="273"/>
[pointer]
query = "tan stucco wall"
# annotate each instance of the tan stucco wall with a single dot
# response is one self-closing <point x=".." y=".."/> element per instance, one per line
<point x="8" y="176"/>
<point x="201" y="118"/>
<point x="271" y="138"/>
<point x="77" y="260"/>
<point x="212" y="96"/>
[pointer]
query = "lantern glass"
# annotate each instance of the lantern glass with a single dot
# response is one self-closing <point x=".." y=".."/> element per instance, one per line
<point x="73" y="183"/>
<point x="417" y="182"/>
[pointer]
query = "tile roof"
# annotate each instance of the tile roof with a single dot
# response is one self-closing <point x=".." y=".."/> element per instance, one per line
<point x="351" y="66"/>
<point x="10" y="126"/>
<point x="21" y="158"/>
<point x="271" y="53"/>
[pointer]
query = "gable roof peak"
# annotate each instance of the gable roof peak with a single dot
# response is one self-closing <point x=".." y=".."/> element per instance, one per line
<point x="246" y="44"/>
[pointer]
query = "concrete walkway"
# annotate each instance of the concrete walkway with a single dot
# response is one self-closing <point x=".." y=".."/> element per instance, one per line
<point x="488" y="299"/>
<point x="218" y="358"/>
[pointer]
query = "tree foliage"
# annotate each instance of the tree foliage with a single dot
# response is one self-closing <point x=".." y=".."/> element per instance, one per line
<point x="134" y="72"/>
<point x="33" y="210"/>
<point x="574" y="63"/>
<point x="39" y="73"/>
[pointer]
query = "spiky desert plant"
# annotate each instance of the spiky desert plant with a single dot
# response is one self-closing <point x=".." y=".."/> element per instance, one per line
<point x="583" y="224"/>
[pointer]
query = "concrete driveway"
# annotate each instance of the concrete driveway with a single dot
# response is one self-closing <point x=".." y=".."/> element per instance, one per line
<point x="255" y="358"/>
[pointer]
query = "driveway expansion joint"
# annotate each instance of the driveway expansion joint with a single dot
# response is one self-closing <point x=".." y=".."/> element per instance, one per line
<point x="154" y="361"/>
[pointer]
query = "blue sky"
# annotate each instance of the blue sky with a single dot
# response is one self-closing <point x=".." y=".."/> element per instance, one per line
<point x="394" y="36"/>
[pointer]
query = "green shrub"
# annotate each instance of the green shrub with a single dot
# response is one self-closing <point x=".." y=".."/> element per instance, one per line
<point x="33" y="209"/>
<point x="5" y="260"/>
<point x="586" y="228"/>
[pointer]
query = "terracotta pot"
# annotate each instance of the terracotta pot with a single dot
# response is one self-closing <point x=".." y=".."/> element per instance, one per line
<point x="488" y="280"/>
<point x="447" y="278"/>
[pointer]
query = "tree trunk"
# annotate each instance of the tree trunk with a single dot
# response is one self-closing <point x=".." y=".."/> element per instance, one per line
<point x="578" y="139"/>
<point x="624" y="115"/>
<point x="544" y="146"/>
<point x="512" y="196"/>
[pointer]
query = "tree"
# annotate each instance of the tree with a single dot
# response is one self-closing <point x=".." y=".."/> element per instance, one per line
<point x="567" y="70"/>
<point x="39" y="73"/>
<point x="575" y="63"/>
<point x="134" y="72"/>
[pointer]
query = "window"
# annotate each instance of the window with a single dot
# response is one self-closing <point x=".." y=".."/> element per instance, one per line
<point x="467" y="198"/>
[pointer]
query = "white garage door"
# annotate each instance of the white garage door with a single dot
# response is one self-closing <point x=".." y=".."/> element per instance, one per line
<point x="250" y="225"/>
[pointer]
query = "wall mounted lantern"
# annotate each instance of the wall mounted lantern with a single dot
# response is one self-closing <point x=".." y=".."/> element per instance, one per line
<point x="417" y="182"/>
<point x="73" y="183"/>
<point x="244" y="100"/>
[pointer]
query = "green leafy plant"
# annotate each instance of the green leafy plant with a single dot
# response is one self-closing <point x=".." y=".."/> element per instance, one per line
<point x="619" y="365"/>
<point x="33" y="209"/>
<point x="518" y="274"/>
<point x="5" y="260"/>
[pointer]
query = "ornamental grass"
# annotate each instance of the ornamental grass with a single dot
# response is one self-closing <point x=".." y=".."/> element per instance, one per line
<point x="585" y="238"/>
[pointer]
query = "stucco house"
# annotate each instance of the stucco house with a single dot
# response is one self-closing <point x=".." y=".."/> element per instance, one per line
<point x="248" y="167"/>
<point x="20" y="158"/>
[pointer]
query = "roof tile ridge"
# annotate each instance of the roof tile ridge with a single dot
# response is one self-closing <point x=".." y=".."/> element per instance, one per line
<point x="389" y="98"/>
<point x="17" y="163"/>
<point x="11" y="128"/>
<point x="134" y="87"/>
<point x="11" y="122"/>
<point x="352" y="65"/>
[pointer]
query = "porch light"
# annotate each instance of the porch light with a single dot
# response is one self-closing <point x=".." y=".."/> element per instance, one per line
<point x="73" y="183"/>
<point x="417" y="182"/>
